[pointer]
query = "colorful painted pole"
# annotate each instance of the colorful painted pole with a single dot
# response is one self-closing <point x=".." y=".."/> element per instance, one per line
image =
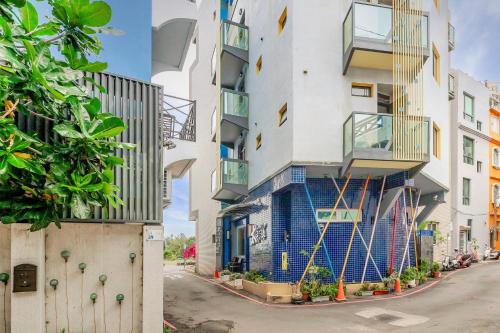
<point x="408" y="241"/>
<point x="369" y="251"/>
<point x="357" y="229"/>
<point x="324" y="232"/>
<point x="412" y="212"/>
<point x="393" y="236"/>
<point x="354" y="228"/>
<point x="319" y="230"/>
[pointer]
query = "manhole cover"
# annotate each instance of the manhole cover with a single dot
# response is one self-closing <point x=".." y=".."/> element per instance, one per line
<point x="387" y="318"/>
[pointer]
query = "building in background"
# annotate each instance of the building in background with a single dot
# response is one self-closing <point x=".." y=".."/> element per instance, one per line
<point x="470" y="141"/>
<point x="494" y="165"/>
<point x="287" y="110"/>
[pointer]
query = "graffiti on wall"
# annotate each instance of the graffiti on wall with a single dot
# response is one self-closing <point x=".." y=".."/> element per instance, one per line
<point x="259" y="234"/>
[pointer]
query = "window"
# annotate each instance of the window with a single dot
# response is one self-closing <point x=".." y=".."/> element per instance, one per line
<point x="361" y="89"/>
<point x="494" y="124"/>
<point x="213" y="183"/>
<point x="496" y="194"/>
<point x="468" y="150"/>
<point x="496" y="157"/>
<point x="258" y="141"/>
<point x="214" y="121"/>
<point x="479" y="126"/>
<point x="466" y="192"/>
<point x="479" y="166"/>
<point x="282" y="20"/>
<point x="433" y="227"/>
<point x="436" y="66"/>
<point x="436" y="141"/>
<point x="469" y="230"/>
<point x="468" y="107"/>
<point x="282" y="114"/>
<point x="240" y="252"/>
<point x="258" y="65"/>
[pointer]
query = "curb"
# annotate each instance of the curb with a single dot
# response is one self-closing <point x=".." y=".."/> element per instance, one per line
<point x="290" y="306"/>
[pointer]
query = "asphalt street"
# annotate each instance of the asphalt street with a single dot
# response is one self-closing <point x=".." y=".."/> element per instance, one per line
<point x="466" y="301"/>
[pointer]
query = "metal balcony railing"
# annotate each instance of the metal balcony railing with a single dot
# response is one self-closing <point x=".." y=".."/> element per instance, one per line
<point x="179" y="120"/>
<point x="451" y="86"/>
<point x="451" y="37"/>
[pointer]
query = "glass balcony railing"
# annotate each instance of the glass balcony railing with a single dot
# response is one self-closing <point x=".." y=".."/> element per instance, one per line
<point x="374" y="132"/>
<point x="451" y="86"/>
<point x="373" y="23"/>
<point x="235" y="103"/>
<point x="234" y="172"/>
<point x="451" y="37"/>
<point x="235" y="35"/>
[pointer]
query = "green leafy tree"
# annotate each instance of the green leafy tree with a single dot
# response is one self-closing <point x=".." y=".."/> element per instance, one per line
<point x="72" y="167"/>
<point x="174" y="246"/>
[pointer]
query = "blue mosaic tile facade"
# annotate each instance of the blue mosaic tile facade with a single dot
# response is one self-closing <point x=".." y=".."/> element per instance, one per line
<point x="291" y="227"/>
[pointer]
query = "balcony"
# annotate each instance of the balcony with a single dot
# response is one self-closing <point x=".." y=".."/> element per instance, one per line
<point x="368" y="145"/>
<point x="451" y="37"/>
<point x="234" y="118"/>
<point x="234" y="53"/>
<point x="367" y="31"/>
<point x="233" y="183"/>
<point x="451" y="87"/>
<point x="178" y="120"/>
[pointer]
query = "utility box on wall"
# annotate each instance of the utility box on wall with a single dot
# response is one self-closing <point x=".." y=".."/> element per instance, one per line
<point x="24" y="278"/>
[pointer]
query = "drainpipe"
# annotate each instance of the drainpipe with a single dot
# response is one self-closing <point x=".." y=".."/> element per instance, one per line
<point x="495" y="225"/>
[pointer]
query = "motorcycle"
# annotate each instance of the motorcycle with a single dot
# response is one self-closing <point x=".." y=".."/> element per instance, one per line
<point x="491" y="254"/>
<point x="449" y="264"/>
<point x="464" y="260"/>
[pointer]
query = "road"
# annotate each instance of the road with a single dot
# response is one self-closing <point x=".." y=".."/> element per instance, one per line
<point x="466" y="301"/>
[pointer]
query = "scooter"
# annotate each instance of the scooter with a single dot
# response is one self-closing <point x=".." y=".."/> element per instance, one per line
<point x="449" y="264"/>
<point x="464" y="260"/>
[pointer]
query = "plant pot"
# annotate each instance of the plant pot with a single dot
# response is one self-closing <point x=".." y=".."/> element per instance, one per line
<point x="224" y="278"/>
<point x="436" y="275"/>
<point x="367" y="293"/>
<point x="412" y="283"/>
<point x="305" y="297"/>
<point x="380" y="292"/>
<point x="320" y="299"/>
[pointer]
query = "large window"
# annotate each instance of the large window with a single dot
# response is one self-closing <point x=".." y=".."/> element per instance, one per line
<point x="468" y="107"/>
<point x="496" y="194"/>
<point x="469" y="230"/>
<point x="466" y="192"/>
<point x="468" y="150"/>
<point x="361" y="90"/>
<point x="241" y="241"/>
<point x="436" y="141"/>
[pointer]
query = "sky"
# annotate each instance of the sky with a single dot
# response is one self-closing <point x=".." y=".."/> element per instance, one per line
<point x="477" y="46"/>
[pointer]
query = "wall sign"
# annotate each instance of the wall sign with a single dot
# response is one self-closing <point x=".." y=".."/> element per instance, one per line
<point x="339" y="216"/>
<point x="284" y="261"/>
<point x="24" y="278"/>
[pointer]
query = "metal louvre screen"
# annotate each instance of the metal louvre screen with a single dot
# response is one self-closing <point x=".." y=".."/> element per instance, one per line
<point x="139" y="105"/>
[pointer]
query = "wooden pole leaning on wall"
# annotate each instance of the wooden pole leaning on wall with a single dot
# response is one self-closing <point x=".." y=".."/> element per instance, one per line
<point x="412" y="212"/>
<point x="341" y="277"/>
<point x="406" y="251"/>
<point x="330" y="218"/>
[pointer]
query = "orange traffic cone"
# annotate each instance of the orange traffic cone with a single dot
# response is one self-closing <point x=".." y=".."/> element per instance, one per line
<point x="397" y="286"/>
<point x="216" y="274"/>
<point x="340" y="293"/>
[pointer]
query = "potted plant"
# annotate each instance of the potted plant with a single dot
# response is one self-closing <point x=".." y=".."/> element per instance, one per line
<point x="225" y="275"/>
<point x="305" y="289"/>
<point x="436" y="270"/>
<point x="365" y="289"/>
<point x="408" y="278"/>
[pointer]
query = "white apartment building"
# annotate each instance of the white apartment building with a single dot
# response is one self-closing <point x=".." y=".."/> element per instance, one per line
<point x="470" y="142"/>
<point x="295" y="97"/>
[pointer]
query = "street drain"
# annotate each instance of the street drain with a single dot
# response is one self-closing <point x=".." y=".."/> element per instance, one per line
<point x="387" y="318"/>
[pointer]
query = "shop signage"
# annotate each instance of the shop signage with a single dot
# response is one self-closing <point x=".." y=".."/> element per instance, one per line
<point x="339" y="216"/>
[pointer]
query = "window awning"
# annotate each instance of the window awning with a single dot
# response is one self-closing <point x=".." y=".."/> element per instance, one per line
<point x="237" y="211"/>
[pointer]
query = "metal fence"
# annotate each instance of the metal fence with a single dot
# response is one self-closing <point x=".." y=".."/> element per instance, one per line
<point x="179" y="120"/>
<point x="139" y="105"/>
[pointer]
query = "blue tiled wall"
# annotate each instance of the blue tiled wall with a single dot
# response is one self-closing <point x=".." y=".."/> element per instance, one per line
<point x="286" y="207"/>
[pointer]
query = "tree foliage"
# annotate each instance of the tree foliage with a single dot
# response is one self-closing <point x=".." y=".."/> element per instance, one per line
<point x="174" y="246"/>
<point x="72" y="167"/>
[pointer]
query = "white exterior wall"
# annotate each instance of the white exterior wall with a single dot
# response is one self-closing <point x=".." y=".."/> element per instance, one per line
<point x="302" y="66"/>
<point x="478" y="208"/>
<point x="202" y="208"/>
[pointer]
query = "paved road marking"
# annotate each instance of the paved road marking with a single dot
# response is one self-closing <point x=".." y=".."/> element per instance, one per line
<point x="173" y="276"/>
<point x="394" y="318"/>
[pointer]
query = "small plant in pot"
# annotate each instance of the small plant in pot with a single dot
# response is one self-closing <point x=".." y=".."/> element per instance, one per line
<point x="408" y="278"/>
<point x="225" y="275"/>
<point x="305" y="289"/>
<point x="436" y="270"/>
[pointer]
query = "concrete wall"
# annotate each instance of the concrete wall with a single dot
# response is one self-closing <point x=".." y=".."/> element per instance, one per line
<point x="5" y="268"/>
<point x="105" y="249"/>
